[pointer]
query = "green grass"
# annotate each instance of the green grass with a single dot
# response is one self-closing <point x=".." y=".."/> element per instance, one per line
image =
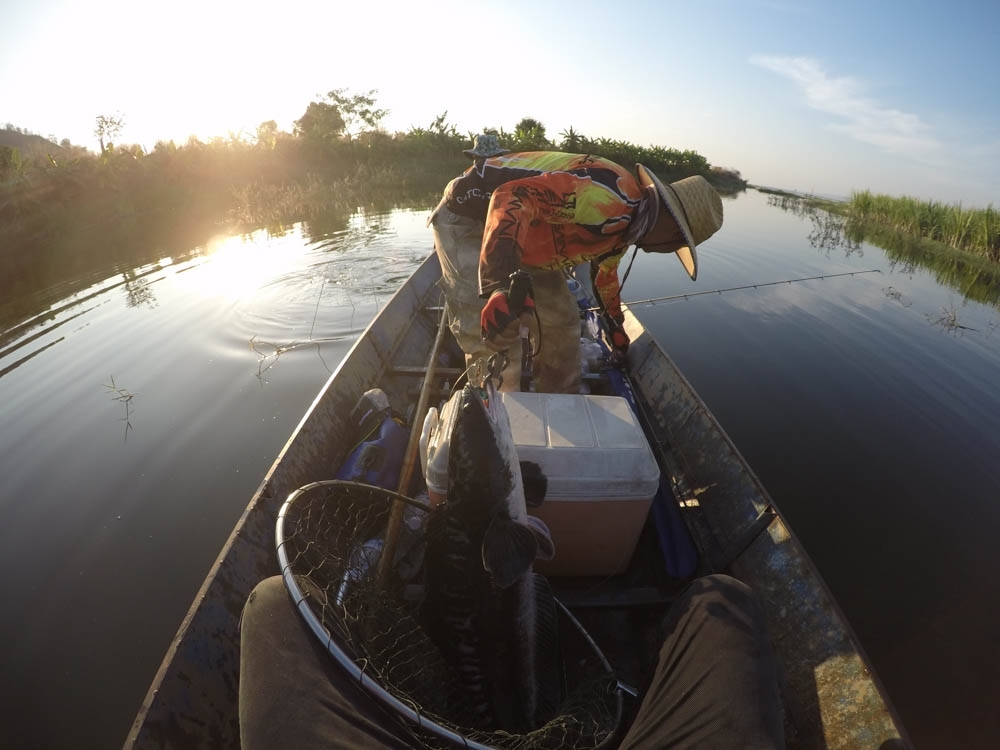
<point x="975" y="231"/>
<point x="976" y="275"/>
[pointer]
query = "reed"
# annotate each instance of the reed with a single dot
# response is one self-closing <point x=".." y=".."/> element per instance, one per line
<point x="975" y="231"/>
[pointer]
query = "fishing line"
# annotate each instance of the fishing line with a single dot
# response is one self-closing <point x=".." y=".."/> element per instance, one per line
<point x="738" y="288"/>
<point x="316" y="310"/>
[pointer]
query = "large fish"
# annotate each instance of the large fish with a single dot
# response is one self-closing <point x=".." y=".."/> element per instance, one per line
<point x="493" y="618"/>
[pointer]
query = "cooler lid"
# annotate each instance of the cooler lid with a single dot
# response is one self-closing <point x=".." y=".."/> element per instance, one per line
<point x="589" y="447"/>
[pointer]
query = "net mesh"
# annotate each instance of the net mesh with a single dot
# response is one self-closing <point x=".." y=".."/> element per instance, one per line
<point x="329" y="541"/>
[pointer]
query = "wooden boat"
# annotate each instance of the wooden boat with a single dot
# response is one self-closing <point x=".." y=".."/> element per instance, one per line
<point x="832" y="697"/>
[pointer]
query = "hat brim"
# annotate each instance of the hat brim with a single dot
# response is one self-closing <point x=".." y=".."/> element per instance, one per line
<point x="686" y="253"/>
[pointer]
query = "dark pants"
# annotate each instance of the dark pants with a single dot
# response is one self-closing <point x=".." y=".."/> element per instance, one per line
<point x="715" y="685"/>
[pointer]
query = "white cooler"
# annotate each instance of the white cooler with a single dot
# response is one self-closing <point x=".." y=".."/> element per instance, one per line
<point x="602" y="477"/>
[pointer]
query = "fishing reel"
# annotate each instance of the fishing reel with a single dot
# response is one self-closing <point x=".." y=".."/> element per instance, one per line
<point x="519" y="292"/>
<point x="504" y="308"/>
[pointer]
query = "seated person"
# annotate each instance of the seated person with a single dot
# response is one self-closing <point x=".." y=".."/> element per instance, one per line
<point x="715" y="684"/>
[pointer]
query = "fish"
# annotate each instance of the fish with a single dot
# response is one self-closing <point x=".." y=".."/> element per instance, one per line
<point x="494" y="619"/>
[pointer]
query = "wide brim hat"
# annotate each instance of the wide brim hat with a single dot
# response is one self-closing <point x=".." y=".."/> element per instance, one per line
<point x="696" y="207"/>
<point x="485" y="146"/>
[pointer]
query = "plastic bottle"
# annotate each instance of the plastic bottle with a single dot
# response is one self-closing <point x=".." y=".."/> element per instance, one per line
<point x="434" y="441"/>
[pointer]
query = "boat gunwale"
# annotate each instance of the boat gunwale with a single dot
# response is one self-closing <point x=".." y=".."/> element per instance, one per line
<point x="646" y="352"/>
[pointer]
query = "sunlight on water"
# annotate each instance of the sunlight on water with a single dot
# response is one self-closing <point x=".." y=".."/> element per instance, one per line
<point x="234" y="268"/>
<point x="139" y="415"/>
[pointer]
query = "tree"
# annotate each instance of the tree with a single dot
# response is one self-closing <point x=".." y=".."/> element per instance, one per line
<point x="440" y="126"/>
<point x="321" y="123"/>
<point x="267" y="134"/>
<point x="571" y="140"/>
<point x="529" y="134"/>
<point x="357" y="109"/>
<point x="108" y="126"/>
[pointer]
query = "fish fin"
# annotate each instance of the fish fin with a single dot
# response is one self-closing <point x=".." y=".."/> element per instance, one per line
<point x="546" y="547"/>
<point x="509" y="548"/>
<point x="536" y="484"/>
<point x="548" y="661"/>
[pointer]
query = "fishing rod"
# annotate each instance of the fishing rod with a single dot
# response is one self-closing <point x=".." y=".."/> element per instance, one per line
<point x="745" y="286"/>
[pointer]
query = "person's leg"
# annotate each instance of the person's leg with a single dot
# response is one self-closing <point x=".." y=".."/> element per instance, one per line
<point x="556" y="368"/>
<point x="716" y="683"/>
<point x="292" y="694"/>
<point x="457" y="241"/>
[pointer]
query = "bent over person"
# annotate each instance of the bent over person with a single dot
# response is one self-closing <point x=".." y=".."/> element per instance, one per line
<point x="544" y="212"/>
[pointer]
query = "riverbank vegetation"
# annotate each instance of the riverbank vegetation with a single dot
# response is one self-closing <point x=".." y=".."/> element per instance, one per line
<point x="975" y="231"/>
<point x="69" y="215"/>
<point x="337" y="156"/>
<point x="839" y="229"/>
<point x="971" y="230"/>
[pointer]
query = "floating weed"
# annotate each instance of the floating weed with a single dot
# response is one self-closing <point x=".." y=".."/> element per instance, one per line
<point x="947" y="320"/>
<point x="268" y="356"/>
<point x="895" y="295"/>
<point x="125" y="398"/>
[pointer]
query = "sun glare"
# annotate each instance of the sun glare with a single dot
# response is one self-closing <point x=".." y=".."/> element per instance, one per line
<point x="235" y="268"/>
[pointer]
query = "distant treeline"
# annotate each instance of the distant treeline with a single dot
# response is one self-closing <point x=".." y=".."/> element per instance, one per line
<point x="337" y="156"/>
<point x="973" y="230"/>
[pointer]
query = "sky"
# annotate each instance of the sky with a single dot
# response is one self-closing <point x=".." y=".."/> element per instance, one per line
<point x="819" y="97"/>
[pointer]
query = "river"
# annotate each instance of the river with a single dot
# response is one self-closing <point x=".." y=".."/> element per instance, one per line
<point x="142" y="405"/>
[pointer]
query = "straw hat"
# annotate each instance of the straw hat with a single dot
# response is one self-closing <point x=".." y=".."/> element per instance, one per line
<point x="695" y="206"/>
<point x="485" y="146"/>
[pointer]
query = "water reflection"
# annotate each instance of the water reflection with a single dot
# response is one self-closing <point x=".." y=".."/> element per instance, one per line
<point x="123" y="510"/>
<point x="138" y="292"/>
<point x="360" y="228"/>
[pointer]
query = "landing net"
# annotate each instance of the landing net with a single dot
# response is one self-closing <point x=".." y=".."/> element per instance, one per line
<point x="328" y="539"/>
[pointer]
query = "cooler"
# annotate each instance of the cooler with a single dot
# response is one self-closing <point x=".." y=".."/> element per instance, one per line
<point x="602" y="477"/>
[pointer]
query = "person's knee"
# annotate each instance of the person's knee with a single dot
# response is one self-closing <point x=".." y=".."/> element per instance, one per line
<point x="268" y="600"/>
<point x="720" y="592"/>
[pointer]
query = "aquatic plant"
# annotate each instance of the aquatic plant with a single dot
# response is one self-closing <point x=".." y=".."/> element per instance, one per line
<point x="972" y="230"/>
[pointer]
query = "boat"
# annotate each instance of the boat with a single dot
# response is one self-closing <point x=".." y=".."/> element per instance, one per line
<point x="832" y="695"/>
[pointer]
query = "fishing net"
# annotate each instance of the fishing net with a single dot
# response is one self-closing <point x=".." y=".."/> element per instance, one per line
<point x="329" y="540"/>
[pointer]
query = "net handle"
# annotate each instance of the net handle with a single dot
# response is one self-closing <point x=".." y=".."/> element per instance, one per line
<point x="395" y="522"/>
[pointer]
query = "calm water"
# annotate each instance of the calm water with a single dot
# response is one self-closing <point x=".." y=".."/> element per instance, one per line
<point x="140" y="413"/>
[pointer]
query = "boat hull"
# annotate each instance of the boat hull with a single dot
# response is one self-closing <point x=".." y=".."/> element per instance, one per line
<point x="832" y="698"/>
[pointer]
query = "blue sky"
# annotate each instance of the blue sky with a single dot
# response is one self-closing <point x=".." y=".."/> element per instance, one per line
<point x="899" y="98"/>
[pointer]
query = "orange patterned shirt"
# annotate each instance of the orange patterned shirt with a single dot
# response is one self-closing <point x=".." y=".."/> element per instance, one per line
<point x="550" y="210"/>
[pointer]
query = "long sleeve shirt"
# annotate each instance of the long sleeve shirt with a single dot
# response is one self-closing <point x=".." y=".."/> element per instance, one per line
<point x="550" y="210"/>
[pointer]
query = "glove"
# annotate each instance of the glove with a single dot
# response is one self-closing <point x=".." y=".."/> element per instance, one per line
<point x="500" y="327"/>
<point x="617" y="337"/>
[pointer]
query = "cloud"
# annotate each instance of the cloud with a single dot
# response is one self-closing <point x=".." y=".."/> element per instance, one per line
<point x="863" y="119"/>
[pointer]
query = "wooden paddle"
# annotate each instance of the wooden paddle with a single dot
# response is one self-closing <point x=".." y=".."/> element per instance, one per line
<point x="410" y="458"/>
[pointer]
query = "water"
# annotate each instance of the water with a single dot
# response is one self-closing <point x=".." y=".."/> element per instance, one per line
<point x="144" y="404"/>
